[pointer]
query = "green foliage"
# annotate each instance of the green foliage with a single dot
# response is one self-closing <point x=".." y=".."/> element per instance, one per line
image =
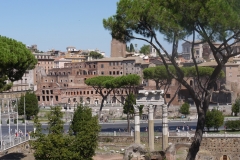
<point x="98" y="81"/>
<point x="15" y="59"/>
<point x="235" y="107"/>
<point x="55" y="145"/>
<point x="15" y="121"/>
<point x="127" y="48"/>
<point x="184" y="109"/>
<point x="214" y="118"/>
<point x="7" y="121"/>
<point x="23" y="120"/>
<point x="31" y="105"/>
<point x="85" y="127"/>
<point x="233" y="125"/>
<point x="145" y="49"/>
<point x="128" y="105"/>
<point x="38" y="127"/>
<point x="128" y="81"/>
<point x="55" y="123"/>
<point x="209" y="120"/>
<point x="95" y="55"/>
<point x="131" y="49"/>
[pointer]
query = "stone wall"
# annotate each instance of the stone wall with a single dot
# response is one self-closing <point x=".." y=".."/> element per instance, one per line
<point x="211" y="147"/>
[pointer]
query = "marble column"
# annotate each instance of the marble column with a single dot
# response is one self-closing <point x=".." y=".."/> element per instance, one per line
<point x="150" y="128"/>
<point x="136" y="125"/>
<point x="164" y="127"/>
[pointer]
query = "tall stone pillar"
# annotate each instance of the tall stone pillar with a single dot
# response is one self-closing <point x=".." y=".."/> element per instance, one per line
<point x="150" y="128"/>
<point x="164" y="127"/>
<point x="136" y="125"/>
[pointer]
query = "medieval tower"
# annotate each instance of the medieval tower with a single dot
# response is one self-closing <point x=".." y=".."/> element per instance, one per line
<point x="118" y="49"/>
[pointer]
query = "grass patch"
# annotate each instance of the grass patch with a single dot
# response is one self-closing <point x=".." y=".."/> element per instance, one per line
<point x="223" y="131"/>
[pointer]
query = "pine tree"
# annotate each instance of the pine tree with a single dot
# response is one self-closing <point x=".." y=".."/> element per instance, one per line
<point x="85" y="127"/>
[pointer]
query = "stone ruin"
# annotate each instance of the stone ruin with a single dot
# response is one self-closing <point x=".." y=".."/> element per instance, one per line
<point x="140" y="152"/>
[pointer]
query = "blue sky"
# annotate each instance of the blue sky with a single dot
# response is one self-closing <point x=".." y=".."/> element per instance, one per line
<point x="59" y="24"/>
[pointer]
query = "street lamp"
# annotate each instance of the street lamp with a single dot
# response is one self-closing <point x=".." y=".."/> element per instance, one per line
<point x="1" y="121"/>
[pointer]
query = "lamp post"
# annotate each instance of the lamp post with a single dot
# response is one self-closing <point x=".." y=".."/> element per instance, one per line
<point x="9" y="122"/>
<point x="25" y="116"/>
<point x="1" y="121"/>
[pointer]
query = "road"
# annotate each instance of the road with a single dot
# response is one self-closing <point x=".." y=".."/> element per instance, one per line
<point x="110" y="127"/>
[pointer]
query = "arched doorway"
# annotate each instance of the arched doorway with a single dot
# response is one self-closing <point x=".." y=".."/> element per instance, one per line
<point x="88" y="100"/>
<point x="224" y="157"/>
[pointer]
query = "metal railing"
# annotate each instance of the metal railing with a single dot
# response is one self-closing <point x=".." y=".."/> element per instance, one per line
<point x="5" y="145"/>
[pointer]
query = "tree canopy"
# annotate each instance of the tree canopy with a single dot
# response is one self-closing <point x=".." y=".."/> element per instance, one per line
<point x="95" y="55"/>
<point x="131" y="48"/>
<point x="85" y="127"/>
<point x="214" y="118"/>
<point x="31" y="105"/>
<point x="145" y="49"/>
<point x="204" y="22"/>
<point x="236" y="106"/>
<point x="54" y="145"/>
<point x="60" y="145"/>
<point x="184" y="109"/>
<point x="15" y="59"/>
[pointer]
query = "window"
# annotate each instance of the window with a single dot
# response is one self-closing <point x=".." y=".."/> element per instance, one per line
<point x="102" y="65"/>
<point x="110" y="72"/>
<point x="197" y="52"/>
<point x="102" y="73"/>
<point x="168" y="96"/>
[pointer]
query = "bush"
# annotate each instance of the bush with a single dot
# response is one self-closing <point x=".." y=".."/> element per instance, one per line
<point x="184" y="109"/>
<point x="233" y="125"/>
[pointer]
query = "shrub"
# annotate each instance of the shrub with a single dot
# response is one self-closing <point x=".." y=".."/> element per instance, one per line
<point x="233" y="125"/>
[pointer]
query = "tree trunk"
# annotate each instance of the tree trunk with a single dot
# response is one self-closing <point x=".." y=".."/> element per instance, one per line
<point x="194" y="148"/>
<point x="128" y="125"/>
<point x="100" y="110"/>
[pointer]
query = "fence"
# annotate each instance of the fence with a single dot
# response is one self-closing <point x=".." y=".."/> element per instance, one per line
<point x="16" y="141"/>
<point x="171" y="134"/>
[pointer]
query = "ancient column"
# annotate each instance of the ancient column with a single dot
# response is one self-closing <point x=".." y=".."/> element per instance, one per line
<point x="136" y="125"/>
<point x="164" y="127"/>
<point x="150" y="128"/>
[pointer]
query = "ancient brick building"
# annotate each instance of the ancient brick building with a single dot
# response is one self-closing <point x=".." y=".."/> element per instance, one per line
<point x="66" y="85"/>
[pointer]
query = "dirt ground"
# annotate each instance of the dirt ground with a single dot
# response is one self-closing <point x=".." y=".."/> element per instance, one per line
<point x="20" y="156"/>
<point x="108" y="157"/>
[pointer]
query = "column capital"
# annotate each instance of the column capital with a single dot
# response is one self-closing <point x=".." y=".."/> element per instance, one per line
<point x="136" y="108"/>
<point x="150" y="107"/>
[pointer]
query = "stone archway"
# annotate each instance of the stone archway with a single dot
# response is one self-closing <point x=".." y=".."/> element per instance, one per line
<point x="224" y="157"/>
<point x="171" y="151"/>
